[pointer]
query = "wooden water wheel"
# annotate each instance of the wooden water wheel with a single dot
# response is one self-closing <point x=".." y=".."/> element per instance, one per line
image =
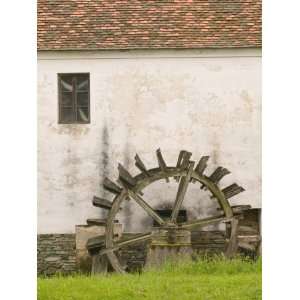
<point x="131" y="187"/>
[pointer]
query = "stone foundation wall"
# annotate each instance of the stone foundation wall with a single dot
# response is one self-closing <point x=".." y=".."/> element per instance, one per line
<point x="56" y="254"/>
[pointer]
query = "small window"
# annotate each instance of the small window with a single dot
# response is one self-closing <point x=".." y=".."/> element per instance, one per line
<point x="74" y="98"/>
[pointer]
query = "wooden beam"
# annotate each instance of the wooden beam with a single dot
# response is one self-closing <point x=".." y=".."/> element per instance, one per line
<point x="103" y="203"/>
<point x="125" y="176"/>
<point x="111" y="186"/>
<point x="232" y="246"/>
<point x="205" y="222"/>
<point x="161" y="162"/>
<point x="125" y="242"/>
<point x="98" y="222"/>
<point x="140" y="165"/>
<point x="217" y="175"/>
<point x="183" y="161"/>
<point x="149" y="210"/>
<point x="232" y="190"/>
<point x="183" y="185"/>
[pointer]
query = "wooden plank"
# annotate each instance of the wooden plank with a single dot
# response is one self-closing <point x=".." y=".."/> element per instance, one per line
<point x="183" y="161"/>
<point x="232" y="190"/>
<point x="96" y="242"/>
<point x="135" y="239"/>
<point x="246" y="246"/>
<point x="217" y="175"/>
<point x="238" y="209"/>
<point x="98" y="222"/>
<point x="161" y="163"/>
<point x="125" y="176"/>
<point x="205" y="222"/>
<point x="111" y="186"/>
<point x="115" y="262"/>
<point x="179" y="160"/>
<point x="127" y="241"/>
<point x="99" y="264"/>
<point x="232" y="246"/>
<point x="140" y="165"/>
<point x="183" y="185"/>
<point x="149" y="210"/>
<point x="100" y="202"/>
<point x="109" y="242"/>
<point x="202" y="164"/>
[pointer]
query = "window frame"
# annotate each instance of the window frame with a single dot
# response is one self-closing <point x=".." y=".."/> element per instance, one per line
<point x="74" y="99"/>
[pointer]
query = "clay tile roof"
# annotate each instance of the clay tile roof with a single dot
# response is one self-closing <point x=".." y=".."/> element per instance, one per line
<point x="148" y="24"/>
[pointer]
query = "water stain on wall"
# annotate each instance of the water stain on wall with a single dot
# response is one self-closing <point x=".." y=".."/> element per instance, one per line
<point x="74" y="130"/>
<point x="248" y="101"/>
<point x="127" y="208"/>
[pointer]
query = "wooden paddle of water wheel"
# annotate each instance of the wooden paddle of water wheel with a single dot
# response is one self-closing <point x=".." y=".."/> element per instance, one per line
<point x="169" y="230"/>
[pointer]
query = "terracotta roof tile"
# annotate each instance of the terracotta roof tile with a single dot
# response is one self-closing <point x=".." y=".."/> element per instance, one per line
<point x="148" y="24"/>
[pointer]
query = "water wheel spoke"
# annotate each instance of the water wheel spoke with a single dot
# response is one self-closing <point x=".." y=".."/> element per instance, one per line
<point x="114" y="261"/>
<point x="205" y="222"/>
<point x="150" y="211"/>
<point x="135" y="239"/>
<point x="182" y="188"/>
<point x="125" y="242"/>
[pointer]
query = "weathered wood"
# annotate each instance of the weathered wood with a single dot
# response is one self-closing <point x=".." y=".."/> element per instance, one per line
<point x="149" y="210"/>
<point x="99" y="264"/>
<point x="96" y="242"/>
<point x="103" y="203"/>
<point x="125" y="176"/>
<point x="201" y="166"/>
<point x="140" y="165"/>
<point x="232" y="246"/>
<point x="113" y="259"/>
<point x="183" y="161"/>
<point x="232" y="190"/>
<point x="205" y="222"/>
<point x="183" y="172"/>
<point x="111" y="186"/>
<point x="247" y="246"/>
<point x="126" y="241"/>
<point x="238" y="209"/>
<point x="99" y="222"/>
<point x="135" y="239"/>
<point x="217" y="175"/>
<point x="183" y="185"/>
<point x="161" y="163"/>
<point x="249" y="238"/>
<point x="180" y="158"/>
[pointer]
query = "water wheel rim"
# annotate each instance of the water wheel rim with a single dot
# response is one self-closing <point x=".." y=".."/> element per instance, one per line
<point x="143" y="181"/>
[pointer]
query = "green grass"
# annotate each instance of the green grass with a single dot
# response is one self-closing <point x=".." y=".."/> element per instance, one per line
<point x="207" y="279"/>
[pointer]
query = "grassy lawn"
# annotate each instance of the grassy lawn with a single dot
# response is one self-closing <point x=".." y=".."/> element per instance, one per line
<point x="218" y="279"/>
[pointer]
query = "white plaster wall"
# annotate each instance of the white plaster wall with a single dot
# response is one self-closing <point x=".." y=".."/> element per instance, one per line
<point x="204" y="101"/>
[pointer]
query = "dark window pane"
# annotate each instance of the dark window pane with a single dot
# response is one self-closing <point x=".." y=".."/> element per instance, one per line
<point x="66" y="115"/>
<point x="82" y="98"/>
<point x="82" y="82"/>
<point x="66" y="83"/>
<point x="74" y="102"/>
<point x="82" y="114"/>
<point x="66" y="99"/>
